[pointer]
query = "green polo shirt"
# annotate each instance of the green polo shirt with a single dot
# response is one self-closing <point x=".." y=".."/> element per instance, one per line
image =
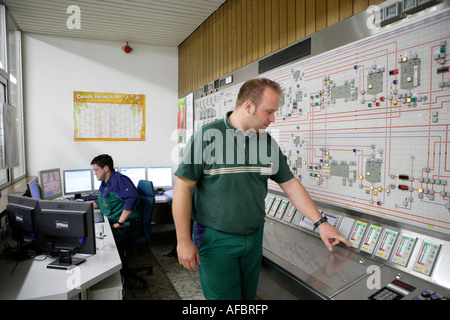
<point x="231" y="170"/>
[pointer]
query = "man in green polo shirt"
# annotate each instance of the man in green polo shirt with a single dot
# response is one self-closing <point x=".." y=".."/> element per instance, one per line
<point x="222" y="184"/>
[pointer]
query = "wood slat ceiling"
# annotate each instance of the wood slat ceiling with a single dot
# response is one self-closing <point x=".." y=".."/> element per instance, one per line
<point x="154" y="22"/>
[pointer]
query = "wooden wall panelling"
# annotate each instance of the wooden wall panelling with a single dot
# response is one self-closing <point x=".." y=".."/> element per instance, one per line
<point x="243" y="31"/>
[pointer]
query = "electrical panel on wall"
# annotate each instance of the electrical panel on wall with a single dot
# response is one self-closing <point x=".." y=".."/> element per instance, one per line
<point x="365" y="126"/>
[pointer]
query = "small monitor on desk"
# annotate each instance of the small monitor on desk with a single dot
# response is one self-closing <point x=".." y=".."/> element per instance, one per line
<point x="77" y="182"/>
<point x="161" y="177"/>
<point x="33" y="189"/>
<point x="135" y="174"/>
<point x="50" y="182"/>
<point x="67" y="228"/>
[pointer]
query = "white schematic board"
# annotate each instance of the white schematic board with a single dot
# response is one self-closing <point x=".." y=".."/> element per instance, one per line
<point x="365" y="126"/>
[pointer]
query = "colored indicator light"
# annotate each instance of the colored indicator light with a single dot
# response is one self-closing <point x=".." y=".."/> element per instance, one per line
<point x="404" y="59"/>
<point x="392" y="72"/>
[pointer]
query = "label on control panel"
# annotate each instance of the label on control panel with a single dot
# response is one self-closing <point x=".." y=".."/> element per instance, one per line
<point x="281" y="209"/>
<point x="427" y="257"/>
<point x="371" y="238"/>
<point x="403" y="250"/>
<point x="386" y="244"/>
<point x="357" y="233"/>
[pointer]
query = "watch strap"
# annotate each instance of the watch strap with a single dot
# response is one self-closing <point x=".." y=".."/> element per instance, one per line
<point x="322" y="220"/>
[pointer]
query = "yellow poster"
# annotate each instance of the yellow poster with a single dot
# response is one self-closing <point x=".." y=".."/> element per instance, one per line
<point x="100" y="116"/>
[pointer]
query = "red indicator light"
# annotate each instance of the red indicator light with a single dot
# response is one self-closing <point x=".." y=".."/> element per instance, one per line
<point x="402" y="187"/>
<point x="393" y="72"/>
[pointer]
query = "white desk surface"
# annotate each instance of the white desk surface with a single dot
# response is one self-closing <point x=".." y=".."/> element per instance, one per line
<point x="32" y="279"/>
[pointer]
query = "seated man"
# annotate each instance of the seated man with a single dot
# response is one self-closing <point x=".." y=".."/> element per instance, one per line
<point x="117" y="196"/>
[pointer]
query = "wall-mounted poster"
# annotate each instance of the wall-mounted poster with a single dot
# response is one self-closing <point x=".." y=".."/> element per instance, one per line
<point x="102" y="116"/>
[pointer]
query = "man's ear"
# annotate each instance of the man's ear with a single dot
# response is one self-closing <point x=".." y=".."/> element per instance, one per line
<point x="249" y="107"/>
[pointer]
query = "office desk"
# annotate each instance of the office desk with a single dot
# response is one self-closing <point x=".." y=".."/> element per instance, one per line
<point x="31" y="279"/>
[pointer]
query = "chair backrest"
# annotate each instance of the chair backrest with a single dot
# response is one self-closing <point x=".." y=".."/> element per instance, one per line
<point x="147" y="200"/>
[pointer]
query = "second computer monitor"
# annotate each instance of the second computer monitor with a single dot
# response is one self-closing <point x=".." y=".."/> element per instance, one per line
<point x="77" y="181"/>
<point x="161" y="177"/>
<point x="134" y="173"/>
<point x="50" y="182"/>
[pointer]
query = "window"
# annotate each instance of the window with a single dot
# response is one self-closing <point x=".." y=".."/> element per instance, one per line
<point x="11" y="119"/>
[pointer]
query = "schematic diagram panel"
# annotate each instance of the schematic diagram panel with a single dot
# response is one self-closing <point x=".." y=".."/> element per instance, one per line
<point x="366" y="126"/>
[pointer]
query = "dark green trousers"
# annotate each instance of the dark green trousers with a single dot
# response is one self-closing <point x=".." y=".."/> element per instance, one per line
<point x="230" y="264"/>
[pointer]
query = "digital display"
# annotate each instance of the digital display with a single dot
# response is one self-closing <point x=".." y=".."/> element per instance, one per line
<point x="386" y="244"/>
<point x="403" y="250"/>
<point x="77" y="181"/>
<point x="135" y="174"/>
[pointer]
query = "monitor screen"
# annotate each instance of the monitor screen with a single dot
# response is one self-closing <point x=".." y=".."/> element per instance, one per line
<point x="50" y="182"/>
<point x="96" y="183"/>
<point x="160" y="176"/>
<point x="33" y="189"/>
<point x="135" y="174"/>
<point x="67" y="226"/>
<point x="21" y="213"/>
<point x="77" y="181"/>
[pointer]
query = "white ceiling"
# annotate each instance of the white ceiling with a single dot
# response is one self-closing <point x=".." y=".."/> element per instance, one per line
<point x="155" y="22"/>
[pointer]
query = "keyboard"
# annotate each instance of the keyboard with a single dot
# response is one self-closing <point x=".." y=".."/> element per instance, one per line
<point x="90" y="197"/>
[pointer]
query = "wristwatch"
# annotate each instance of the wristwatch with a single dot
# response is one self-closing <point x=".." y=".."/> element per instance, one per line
<point x="120" y="223"/>
<point x="322" y="220"/>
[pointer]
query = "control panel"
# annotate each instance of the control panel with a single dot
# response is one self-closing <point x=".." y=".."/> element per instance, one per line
<point x="381" y="241"/>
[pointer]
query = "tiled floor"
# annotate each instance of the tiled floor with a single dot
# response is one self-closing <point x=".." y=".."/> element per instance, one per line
<point x="169" y="280"/>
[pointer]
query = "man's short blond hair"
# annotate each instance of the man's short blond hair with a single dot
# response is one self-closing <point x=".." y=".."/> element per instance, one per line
<point x="254" y="89"/>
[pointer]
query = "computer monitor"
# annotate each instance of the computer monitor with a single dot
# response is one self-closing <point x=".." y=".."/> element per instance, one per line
<point x="67" y="228"/>
<point x="50" y="182"/>
<point x="96" y="183"/>
<point x="135" y="174"/>
<point x="33" y="189"/>
<point x="78" y="181"/>
<point x="22" y="213"/>
<point x="161" y="177"/>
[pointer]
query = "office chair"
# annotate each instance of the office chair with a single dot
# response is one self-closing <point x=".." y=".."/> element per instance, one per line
<point x="139" y="232"/>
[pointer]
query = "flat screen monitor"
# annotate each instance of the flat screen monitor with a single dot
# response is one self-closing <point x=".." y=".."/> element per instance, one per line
<point x="135" y="174"/>
<point x="96" y="183"/>
<point x="22" y="213"/>
<point x="160" y="176"/>
<point x="33" y="189"/>
<point x="78" y="181"/>
<point x="67" y="228"/>
<point x="50" y="182"/>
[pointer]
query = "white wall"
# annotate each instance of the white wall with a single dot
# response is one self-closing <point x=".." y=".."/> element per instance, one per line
<point x="54" y="67"/>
